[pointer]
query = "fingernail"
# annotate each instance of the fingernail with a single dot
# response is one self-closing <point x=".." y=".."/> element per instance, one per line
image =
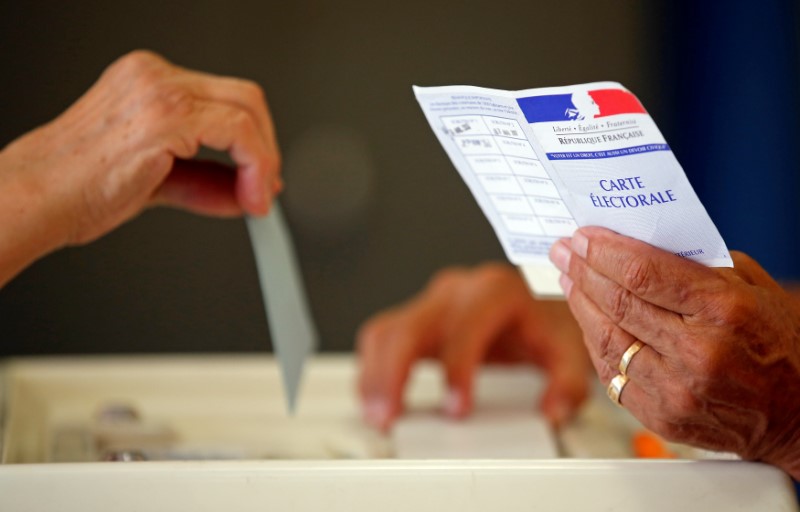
<point x="559" y="413"/>
<point x="560" y="255"/>
<point x="270" y="196"/>
<point x="260" y="202"/>
<point x="268" y="207"/>
<point x="454" y="403"/>
<point x="376" y="412"/>
<point x="566" y="284"/>
<point x="580" y="244"/>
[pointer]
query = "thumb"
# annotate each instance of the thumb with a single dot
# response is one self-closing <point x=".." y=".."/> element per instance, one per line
<point x="199" y="186"/>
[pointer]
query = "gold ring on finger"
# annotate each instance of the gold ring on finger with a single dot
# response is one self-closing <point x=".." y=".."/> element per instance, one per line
<point x="615" y="388"/>
<point x="628" y="356"/>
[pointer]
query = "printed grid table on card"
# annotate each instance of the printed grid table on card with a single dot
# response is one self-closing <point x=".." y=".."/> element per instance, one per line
<point x="507" y="168"/>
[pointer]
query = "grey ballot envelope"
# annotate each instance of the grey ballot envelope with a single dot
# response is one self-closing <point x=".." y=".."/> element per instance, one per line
<point x="294" y="336"/>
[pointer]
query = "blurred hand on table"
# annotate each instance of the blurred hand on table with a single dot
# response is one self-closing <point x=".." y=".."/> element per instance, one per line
<point x="464" y="318"/>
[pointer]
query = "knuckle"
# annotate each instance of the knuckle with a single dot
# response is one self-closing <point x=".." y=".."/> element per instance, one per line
<point x="138" y="60"/>
<point x="619" y="304"/>
<point x="182" y="146"/>
<point x="735" y="309"/>
<point x="743" y="308"/>
<point x="242" y="122"/>
<point x="448" y="278"/>
<point x="637" y="275"/>
<point x="604" y="341"/>
<point x="163" y="102"/>
<point x="492" y="274"/>
<point x="253" y="92"/>
<point x="689" y="294"/>
<point x="739" y="259"/>
<point x="372" y="332"/>
<point x="141" y="68"/>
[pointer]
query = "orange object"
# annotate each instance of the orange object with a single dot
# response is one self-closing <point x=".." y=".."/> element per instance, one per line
<point x="647" y="445"/>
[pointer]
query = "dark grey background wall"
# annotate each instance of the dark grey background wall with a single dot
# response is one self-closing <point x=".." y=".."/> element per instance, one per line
<point x="373" y="202"/>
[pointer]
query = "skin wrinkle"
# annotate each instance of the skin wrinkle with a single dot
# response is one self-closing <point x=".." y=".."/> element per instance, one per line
<point x="723" y="413"/>
<point x="758" y="423"/>
<point x="788" y="438"/>
<point x="620" y="303"/>
<point x="781" y="413"/>
<point x="709" y="436"/>
<point x="639" y="275"/>
<point x="725" y="369"/>
<point x="604" y="340"/>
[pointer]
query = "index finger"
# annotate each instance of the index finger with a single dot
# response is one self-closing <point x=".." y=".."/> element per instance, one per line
<point x="247" y="95"/>
<point x="654" y="275"/>
<point x="244" y="93"/>
<point x="226" y="127"/>
<point x="388" y="346"/>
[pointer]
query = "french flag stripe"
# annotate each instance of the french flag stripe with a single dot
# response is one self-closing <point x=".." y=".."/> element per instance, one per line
<point x="563" y="107"/>
<point x="616" y="101"/>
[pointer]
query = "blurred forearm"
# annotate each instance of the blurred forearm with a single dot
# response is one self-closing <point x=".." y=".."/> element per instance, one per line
<point x="29" y="229"/>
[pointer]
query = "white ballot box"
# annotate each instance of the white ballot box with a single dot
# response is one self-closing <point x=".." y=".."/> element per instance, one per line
<point x="212" y="433"/>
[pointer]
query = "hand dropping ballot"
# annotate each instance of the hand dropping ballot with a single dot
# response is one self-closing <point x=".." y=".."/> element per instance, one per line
<point x="543" y="162"/>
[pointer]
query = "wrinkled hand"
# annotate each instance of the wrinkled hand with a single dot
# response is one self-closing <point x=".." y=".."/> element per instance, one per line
<point x="721" y="364"/>
<point x="462" y="318"/>
<point x="127" y="142"/>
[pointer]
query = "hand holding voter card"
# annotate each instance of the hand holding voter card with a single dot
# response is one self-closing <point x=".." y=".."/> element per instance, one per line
<point x="543" y="162"/>
<point x="587" y="198"/>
